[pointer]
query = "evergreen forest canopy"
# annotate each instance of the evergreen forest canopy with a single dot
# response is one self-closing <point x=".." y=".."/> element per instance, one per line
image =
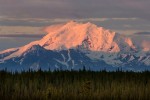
<point x="77" y="85"/>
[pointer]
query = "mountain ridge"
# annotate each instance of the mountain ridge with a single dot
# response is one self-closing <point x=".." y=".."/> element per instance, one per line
<point x="95" y="46"/>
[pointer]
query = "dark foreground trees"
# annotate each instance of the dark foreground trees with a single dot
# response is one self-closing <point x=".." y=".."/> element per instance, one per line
<point x="75" y="85"/>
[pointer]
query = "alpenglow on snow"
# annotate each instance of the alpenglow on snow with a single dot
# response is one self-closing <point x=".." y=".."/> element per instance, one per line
<point x="73" y="45"/>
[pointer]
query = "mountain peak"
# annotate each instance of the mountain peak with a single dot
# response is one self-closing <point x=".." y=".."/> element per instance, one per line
<point x="76" y="44"/>
<point x="74" y="35"/>
<point x="83" y="35"/>
<point x="71" y="22"/>
<point x="75" y="23"/>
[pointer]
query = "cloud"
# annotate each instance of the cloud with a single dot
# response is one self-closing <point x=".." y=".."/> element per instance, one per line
<point x="145" y="45"/>
<point x="21" y="35"/>
<point x="61" y="19"/>
<point x="21" y="31"/>
<point x="14" y="21"/>
<point x="35" y="25"/>
<point x="116" y="15"/>
<point x="126" y="19"/>
<point x="142" y="33"/>
<point x="75" y="8"/>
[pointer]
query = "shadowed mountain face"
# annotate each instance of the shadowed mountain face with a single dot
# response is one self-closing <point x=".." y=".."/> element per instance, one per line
<point x="74" y="45"/>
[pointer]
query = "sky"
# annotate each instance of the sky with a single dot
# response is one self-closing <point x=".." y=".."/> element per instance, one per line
<point x="22" y="21"/>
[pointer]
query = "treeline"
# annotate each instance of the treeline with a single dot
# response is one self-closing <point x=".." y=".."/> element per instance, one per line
<point x="74" y="85"/>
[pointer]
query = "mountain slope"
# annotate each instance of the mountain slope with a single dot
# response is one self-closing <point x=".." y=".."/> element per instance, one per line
<point x="74" y="45"/>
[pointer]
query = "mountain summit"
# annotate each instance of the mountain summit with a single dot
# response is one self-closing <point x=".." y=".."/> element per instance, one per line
<point x="74" y="45"/>
<point x="73" y="35"/>
<point x="88" y="36"/>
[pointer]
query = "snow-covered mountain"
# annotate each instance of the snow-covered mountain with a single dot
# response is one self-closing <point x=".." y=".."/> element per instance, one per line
<point x="74" y="45"/>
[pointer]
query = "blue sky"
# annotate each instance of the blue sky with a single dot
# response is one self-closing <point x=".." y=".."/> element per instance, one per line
<point x="26" y="18"/>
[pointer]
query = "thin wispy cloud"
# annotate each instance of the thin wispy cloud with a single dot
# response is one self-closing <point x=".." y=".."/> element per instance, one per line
<point x="54" y="20"/>
<point x="142" y="33"/>
<point x="21" y="35"/>
<point x="102" y="12"/>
